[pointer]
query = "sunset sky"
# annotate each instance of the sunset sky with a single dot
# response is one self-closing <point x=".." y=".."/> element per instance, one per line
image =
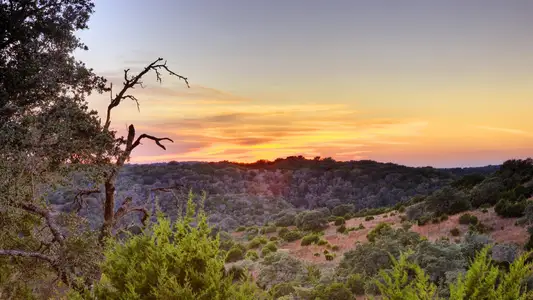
<point x="440" y="83"/>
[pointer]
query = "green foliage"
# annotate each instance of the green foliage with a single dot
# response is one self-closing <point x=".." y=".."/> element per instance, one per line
<point x="322" y="242"/>
<point x="285" y="219"/>
<point x="369" y="218"/>
<point x="380" y="229"/>
<point x="336" y="290"/>
<point x="234" y="254"/>
<point x="282" y="231"/>
<point x="252" y="255"/>
<point x="448" y="201"/>
<point x="314" y="220"/>
<point x="467" y="219"/>
<point x="292" y="236"/>
<point x="342" y="210"/>
<point x="241" y="228"/>
<point x="282" y="289"/>
<point x="271" y="246"/>
<point x="309" y="239"/>
<point x="356" y="284"/>
<point x="406" y="280"/>
<point x="510" y="209"/>
<point x="280" y="267"/>
<point x="257" y="241"/>
<point x="175" y="262"/>
<point x="265" y="252"/>
<point x="423" y="220"/>
<point x="483" y="280"/>
<point x="269" y="229"/>
<point x="335" y="247"/>
<point x="339" y="221"/>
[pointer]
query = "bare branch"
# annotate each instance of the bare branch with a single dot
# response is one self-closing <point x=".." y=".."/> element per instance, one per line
<point x="27" y="254"/>
<point x="47" y="215"/>
<point x="130" y="81"/>
<point x="125" y="210"/>
<point x="78" y="199"/>
<point x="134" y="99"/>
<point x="153" y="138"/>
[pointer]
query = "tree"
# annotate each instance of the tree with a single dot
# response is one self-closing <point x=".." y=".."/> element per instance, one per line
<point x="48" y="134"/>
<point x="170" y="261"/>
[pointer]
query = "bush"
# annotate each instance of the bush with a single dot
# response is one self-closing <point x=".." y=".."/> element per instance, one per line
<point x="337" y="291"/>
<point x="314" y="220"/>
<point x="356" y="284"/>
<point x="292" y="236"/>
<point x="234" y="254"/>
<point x="280" y="267"/>
<point x="285" y="219"/>
<point x="269" y="229"/>
<point x="335" y="248"/>
<point x="322" y="242"/>
<point x="467" y="218"/>
<point x="455" y="231"/>
<point x="342" y="210"/>
<point x="257" y="241"/>
<point x="360" y="227"/>
<point x="484" y="210"/>
<point x="316" y="254"/>
<point x="252" y="255"/>
<point x="241" y="228"/>
<point x="435" y="220"/>
<point x="341" y="229"/>
<point x="444" y="217"/>
<point x="369" y="218"/>
<point x="339" y="221"/>
<point x="508" y="209"/>
<point x="329" y="256"/>
<point x="178" y="261"/>
<point x="271" y="246"/>
<point x="309" y="239"/>
<point x="423" y="220"/>
<point x="380" y="229"/>
<point x="282" y="289"/>
<point x="282" y="231"/>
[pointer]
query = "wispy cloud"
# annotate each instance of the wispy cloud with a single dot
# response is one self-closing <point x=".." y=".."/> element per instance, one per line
<point x="507" y="130"/>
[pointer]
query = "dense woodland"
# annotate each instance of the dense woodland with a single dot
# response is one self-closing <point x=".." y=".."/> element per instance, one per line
<point x="78" y="222"/>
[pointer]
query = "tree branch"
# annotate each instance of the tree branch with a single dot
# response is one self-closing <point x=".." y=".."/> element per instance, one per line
<point x="27" y="254"/>
<point x="78" y="199"/>
<point x="156" y="139"/>
<point x="125" y="209"/>
<point x="46" y="214"/>
<point x="131" y="81"/>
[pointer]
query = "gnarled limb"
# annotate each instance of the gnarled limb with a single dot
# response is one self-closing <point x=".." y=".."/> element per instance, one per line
<point x="47" y="215"/>
<point x="153" y="138"/>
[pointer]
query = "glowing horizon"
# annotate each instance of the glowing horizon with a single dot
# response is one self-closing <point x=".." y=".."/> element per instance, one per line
<point x="440" y="84"/>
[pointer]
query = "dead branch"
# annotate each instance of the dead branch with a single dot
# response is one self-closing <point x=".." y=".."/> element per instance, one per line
<point x="78" y="199"/>
<point x="125" y="209"/>
<point x="153" y="138"/>
<point x="28" y="254"/>
<point x="131" y="81"/>
<point x="47" y="215"/>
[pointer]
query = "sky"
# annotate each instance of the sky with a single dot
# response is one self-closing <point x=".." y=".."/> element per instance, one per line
<point x="416" y="82"/>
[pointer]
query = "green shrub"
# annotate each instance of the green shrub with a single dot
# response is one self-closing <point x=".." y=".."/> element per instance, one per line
<point x="455" y="231"/>
<point x="508" y="209"/>
<point x="280" y="267"/>
<point x="335" y="247"/>
<point x="234" y="254"/>
<point x="273" y="238"/>
<point x="178" y="261"/>
<point x="292" y="236"/>
<point x="257" y="241"/>
<point x="444" y="217"/>
<point x="271" y="246"/>
<point x="325" y="251"/>
<point x="401" y="209"/>
<point x="361" y="226"/>
<point x="282" y="289"/>
<point x="329" y="256"/>
<point x="322" y="242"/>
<point x="369" y="218"/>
<point x="467" y="218"/>
<point x="484" y="210"/>
<point x="356" y="284"/>
<point x="309" y="239"/>
<point x="265" y="252"/>
<point x="341" y="229"/>
<point x="339" y="221"/>
<point x="336" y="290"/>
<point x="314" y="220"/>
<point x="479" y="227"/>
<point x="241" y="228"/>
<point x="269" y="229"/>
<point x="252" y="255"/>
<point x="342" y="210"/>
<point x="316" y="254"/>
<point x="282" y="231"/>
<point x="435" y="220"/>
<point x="380" y="229"/>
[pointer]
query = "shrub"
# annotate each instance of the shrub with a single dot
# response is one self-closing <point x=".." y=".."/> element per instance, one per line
<point x="484" y="210"/>
<point x="326" y="251"/>
<point x="314" y="220"/>
<point x="335" y="248"/>
<point x="342" y="210"/>
<point x="336" y="290"/>
<point x="401" y="209"/>
<point x="468" y="219"/>
<point x="270" y="246"/>
<point x="282" y="289"/>
<point x="316" y="254"/>
<point x="309" y="239"/>
<point x="280" y="267"/>
<point x="329" y="256"/>
<point x="322" y="242"/>
<point x="265" y="252"/>
<point x="292" y="236"/>
<point x="479" y="228"/>
<point x="285" y="219"/>
<point x="241" y="228"/>
<point x="257" y="241"/>
<point x="435" y="220"/>
<point x="341" y="229"/>
<point x="269" y="229"/>
<point x="508" y="209"/>
<point x="444" y="217"/>
<point x="339" y="221"/>
<point x="273" y="238"/>
<point x="252" y="255"/>
<point x="455" y="231"/>
<point x="356" y="284"/>
<point x="380" y="229"/>
<point x="282" y="231"/>
<point x="369" y="218"/>
<point x="234" y="254"/>
<point x="360" y="227"/>
<point x="178" y="261"/>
